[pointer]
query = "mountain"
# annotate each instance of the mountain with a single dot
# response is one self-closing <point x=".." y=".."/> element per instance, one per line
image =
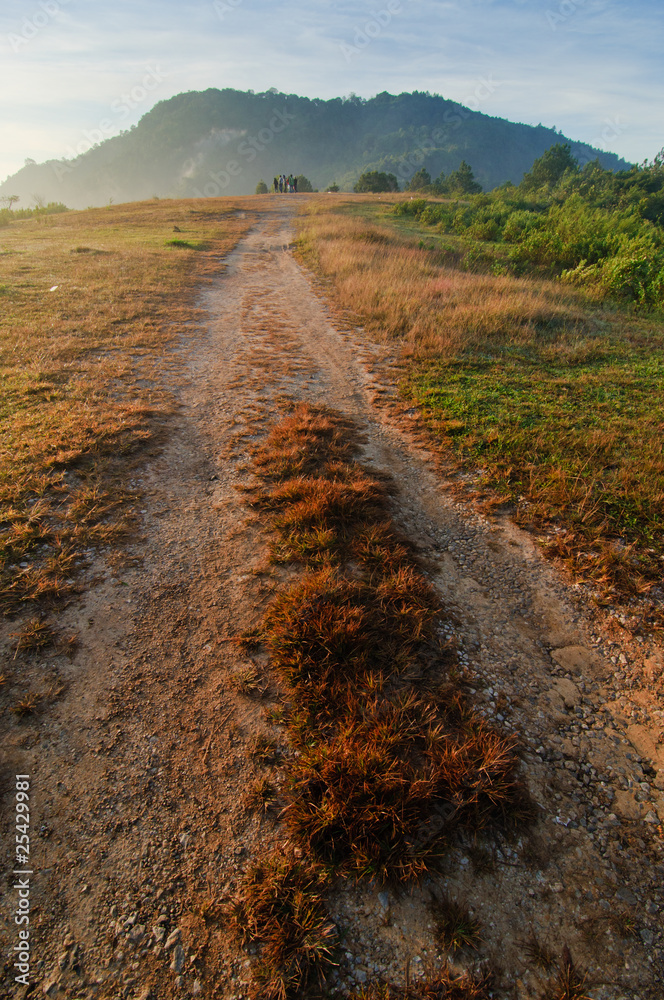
<point x="213" y="142"/>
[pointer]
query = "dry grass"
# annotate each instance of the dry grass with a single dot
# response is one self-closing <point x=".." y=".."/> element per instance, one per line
<point x="556" y="398"/>
<point x="568" y="983"/>
<point x="539" y="952"/>
<point x="90" y="300"/>
<point x="402" y="292"/>
<point x="280" y="907"/>
<point x="391" y="764"/>
<point x="392" y="761"/>
<point x="456" y="927"/>
<point x="35" y="634"/>
<point x="27" y="705"/>
<point x="448" y="985"/>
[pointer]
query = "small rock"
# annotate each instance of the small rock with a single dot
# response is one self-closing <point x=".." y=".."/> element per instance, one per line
<point x="384" y="899"/>
<point x="145" y="995"/>
<point x="568" y="691"/>
<point x="137" y="933"/>
<point x="177" y="963"/>
<point x="68" y="941"/>
<point x="50" y="987"/>
<point x="575" y="659"/>
<point x="173" y="939"/>
<point x="626" y="806"/>
<point x="63" y="959"/>
<point x="650" y="817"/>
<point x="647" y="936"/>
<point x="196" y="988"/>
<point x="626" y="895"/>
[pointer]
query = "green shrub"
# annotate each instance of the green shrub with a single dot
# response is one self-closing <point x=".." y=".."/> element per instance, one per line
<point x="518" y="224"/>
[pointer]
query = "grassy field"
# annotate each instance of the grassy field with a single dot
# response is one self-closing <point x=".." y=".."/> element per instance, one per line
<point x="88" y="302"/>
<point x="550" y="396"/>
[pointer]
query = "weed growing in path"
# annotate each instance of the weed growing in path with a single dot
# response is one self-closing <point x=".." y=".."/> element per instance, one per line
<point x="391" y="764"/>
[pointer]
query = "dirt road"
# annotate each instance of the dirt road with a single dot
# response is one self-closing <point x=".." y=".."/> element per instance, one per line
<point x="140" y="767"/>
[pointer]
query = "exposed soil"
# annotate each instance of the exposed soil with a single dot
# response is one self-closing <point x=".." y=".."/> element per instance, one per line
<point x="140" y="753"/>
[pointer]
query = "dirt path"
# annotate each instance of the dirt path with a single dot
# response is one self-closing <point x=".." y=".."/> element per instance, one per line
<point x="140" y="768"/>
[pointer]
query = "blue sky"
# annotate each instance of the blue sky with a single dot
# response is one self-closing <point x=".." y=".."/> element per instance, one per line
<point x="72" y="69"/>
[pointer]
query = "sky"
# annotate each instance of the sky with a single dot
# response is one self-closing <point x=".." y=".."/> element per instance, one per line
<point x="75" y="71"/>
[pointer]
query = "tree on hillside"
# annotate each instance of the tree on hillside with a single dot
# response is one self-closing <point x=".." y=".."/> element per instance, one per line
<point x="303" y="183"/>
<point x="550" y="167"/>
<point x="462" y="181"/>
<point x="261" y="187"/>
<point x="419" y="181"/>
<point x="10" y="199"/>
<point x="376" y="181"/>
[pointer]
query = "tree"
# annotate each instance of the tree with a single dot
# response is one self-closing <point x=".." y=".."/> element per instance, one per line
<point x="261" y="187"/>
<point x="550" y="167"/>
<point x="10" y="199"/>
<point x="303" y="184"/>
<point x="462" y="181"/>
<point x="333" y="188"/>
<point x="419" y="181"/>
<point x="376" y="181"/>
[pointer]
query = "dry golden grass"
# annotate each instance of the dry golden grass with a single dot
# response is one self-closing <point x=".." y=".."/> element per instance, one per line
<point x="281" y="908"/>
<point x="393" y="762"/>
<point x="400" y="291"/>
<point x="89" y="302"/>
<point x="448" y="985"/>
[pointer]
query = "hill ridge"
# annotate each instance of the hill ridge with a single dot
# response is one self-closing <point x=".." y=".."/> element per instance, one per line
<point x="222" y="142"/>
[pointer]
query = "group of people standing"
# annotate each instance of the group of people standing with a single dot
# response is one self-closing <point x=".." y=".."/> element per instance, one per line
<point x="284" y="184"/>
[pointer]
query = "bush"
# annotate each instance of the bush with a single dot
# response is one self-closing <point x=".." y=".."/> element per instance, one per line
<point x="413" y="207"/>
<point x="261" y="187"/>
<point x="304" y="184"/>
<point x="519" y="224"/>
<point x="375" y="182"/>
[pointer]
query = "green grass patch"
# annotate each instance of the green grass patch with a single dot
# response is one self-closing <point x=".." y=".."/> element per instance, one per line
<point x="574" y="445"/>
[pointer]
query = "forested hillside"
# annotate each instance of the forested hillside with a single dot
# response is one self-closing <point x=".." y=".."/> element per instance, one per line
<point x="219" y="142"/>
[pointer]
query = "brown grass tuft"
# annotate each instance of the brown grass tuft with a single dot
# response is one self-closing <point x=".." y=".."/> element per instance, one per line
<point x="280" y="907"/>
<point x="569" y="982"/>
<point x="393" y="763"/>
<point x="447" y="985"/>
<point x="456" y="927"/>
<point x="36" y="634"/>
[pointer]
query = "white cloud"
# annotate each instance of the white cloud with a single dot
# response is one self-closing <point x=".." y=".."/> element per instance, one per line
<point x="600" y="62"/>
